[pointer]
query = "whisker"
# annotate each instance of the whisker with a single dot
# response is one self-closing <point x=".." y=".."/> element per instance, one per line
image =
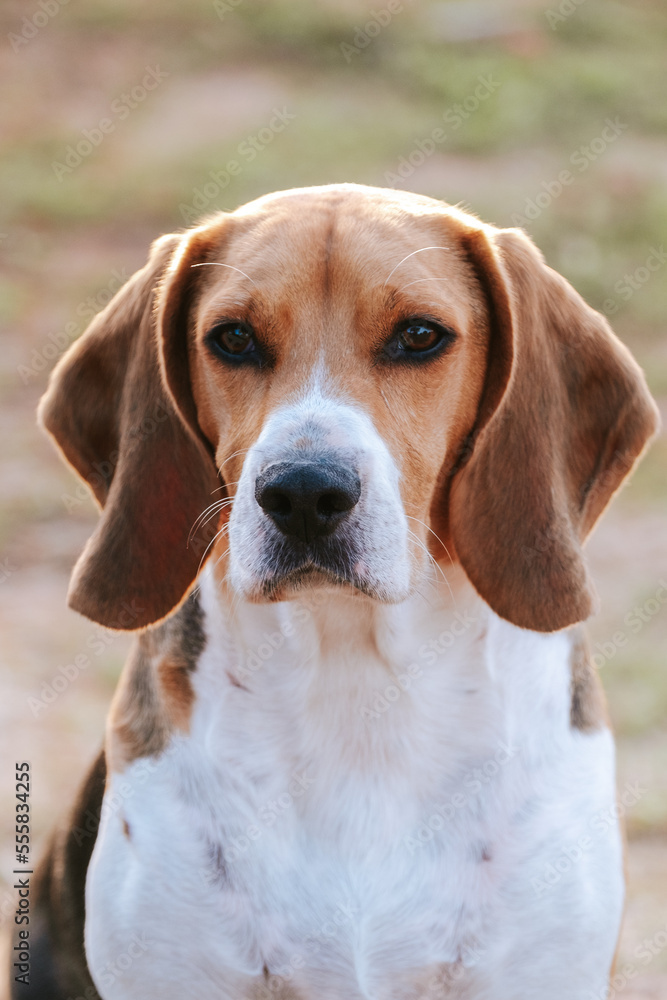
<point x="236" y="603"/>
<point x="216" y="505"/>
<point x="428" y="554"/>
<point x="241" y="451"/>
<point x="428" y="528"/>
<point x="217" y="535"/>
<point x="221" y="556"/>
<point x="417" y="280"/>
<point x="213" y="263"/>
<point x="211" y="510"/>
<point x="430" y="582"/>
<point x="218" y="510"/>
<point x="225" y="485"/>
<point x="412" y="255"/>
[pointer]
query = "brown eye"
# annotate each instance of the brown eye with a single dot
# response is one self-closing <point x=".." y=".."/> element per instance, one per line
<point x="234" y="342"/>
<point x="419" y="337"/>
<point x="236" y="338"/>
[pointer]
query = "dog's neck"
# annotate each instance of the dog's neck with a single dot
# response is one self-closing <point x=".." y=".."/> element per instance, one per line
<point x="340" y="675"/>
<point x="347" y="687"/>
<point x="333" y="629"/>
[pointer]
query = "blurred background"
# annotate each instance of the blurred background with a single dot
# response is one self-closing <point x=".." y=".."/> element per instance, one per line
<point x="121" y="121"/>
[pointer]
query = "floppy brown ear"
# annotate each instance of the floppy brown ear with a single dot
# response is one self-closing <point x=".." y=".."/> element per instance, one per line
<point x="565" y="413"/>
<point x="110" y="412"/>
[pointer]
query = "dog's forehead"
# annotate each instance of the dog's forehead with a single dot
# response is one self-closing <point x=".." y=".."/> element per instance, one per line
<point x="342" y="241"/>
<point x="343" y="204"/>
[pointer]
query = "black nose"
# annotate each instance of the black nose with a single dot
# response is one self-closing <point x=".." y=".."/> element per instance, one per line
<point x="307" y="499"/>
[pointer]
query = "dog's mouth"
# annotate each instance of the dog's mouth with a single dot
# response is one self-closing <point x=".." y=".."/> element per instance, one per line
<point x="319" y="522"/>
<point x="291" y="567"/>
<point x="277" y="588"/>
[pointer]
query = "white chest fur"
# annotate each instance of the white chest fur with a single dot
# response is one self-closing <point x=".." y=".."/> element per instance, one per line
<point x="381" y="802"/>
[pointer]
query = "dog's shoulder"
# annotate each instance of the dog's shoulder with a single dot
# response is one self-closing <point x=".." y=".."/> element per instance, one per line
<point x="155" y="693"/>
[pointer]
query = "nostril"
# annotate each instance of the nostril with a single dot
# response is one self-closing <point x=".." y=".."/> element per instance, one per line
<point x="335" y="502"/>
<point x="275" y="502"/>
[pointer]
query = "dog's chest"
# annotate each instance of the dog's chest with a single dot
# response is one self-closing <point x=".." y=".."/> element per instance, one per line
<point x="340" y="826"/>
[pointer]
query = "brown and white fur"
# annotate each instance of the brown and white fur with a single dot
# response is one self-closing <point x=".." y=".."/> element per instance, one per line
<point x="344" y="764"/>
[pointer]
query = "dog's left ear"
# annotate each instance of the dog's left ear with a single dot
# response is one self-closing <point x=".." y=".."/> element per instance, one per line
<point x="564" y="415"/>
<point x="139" y="448"/>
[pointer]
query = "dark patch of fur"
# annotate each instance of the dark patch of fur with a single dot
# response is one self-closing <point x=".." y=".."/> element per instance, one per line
<point x="588" y="710"/>
<point x="154" y="693"/>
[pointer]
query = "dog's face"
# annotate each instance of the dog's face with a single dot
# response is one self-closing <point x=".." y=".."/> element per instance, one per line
<point x="352" y="382"/>
<point x="336" y="360"/>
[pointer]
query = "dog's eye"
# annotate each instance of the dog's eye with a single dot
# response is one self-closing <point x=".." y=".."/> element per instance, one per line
<point x="418" y="339"/>
<point x="234" y="340"/>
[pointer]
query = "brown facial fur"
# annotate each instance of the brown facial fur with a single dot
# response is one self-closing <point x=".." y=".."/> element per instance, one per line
<point x="509" y="445"/>
<point x="334" y="308"/>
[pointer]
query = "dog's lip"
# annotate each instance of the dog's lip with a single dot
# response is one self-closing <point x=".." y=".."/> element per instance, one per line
<point x="336" y="555"/>
<point x="276" y="586"/>
<point x="287" y="585"/>
<point x="311" y="572"/>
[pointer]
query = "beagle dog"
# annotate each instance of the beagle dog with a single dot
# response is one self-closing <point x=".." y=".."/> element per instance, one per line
<point x="347" y="443"/>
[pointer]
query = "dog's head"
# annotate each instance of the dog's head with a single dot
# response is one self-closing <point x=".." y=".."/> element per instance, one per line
<point x="346" y="382"/>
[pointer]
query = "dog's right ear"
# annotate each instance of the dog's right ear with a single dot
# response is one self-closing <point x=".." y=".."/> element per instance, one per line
<point x="111" y="413"/>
